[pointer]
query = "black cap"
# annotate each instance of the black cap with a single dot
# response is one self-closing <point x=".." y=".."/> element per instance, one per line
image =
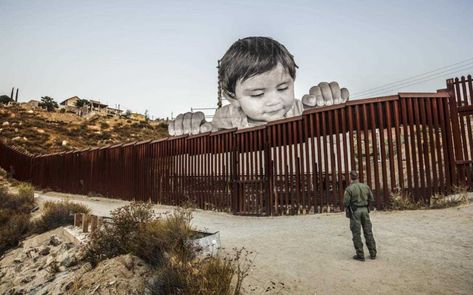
<point x="354" y="174"/>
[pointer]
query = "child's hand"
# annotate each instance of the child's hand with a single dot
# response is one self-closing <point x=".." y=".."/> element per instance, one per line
<point x="189" y="123"/>
<point x="325" y="94"/>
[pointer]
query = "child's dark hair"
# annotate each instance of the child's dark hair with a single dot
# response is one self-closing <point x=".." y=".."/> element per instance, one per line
<point x="249" y="57"/>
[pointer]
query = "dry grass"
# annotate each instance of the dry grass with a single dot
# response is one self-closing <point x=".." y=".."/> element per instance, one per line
<point x="459" y="197"/>
<point x="212" y="275"/>
<point x="45" y="131"/>
<point x="404" y="201"/>
<point x="57" y="214"/>
<point x="163" y="242"/>
<point x="14" y="216"/>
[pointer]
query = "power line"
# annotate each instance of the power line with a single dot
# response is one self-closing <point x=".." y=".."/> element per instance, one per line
<point x="419" y="76"/>
<point x="415" y="81"/>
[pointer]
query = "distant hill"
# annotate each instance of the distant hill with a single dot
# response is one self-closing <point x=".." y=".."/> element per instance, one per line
<point x="40" y="132"/>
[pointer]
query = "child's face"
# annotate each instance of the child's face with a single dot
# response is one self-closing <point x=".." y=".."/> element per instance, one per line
<point x="267" y="96"/>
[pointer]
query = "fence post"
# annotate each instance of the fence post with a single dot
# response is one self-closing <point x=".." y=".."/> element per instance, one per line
<point x="268" y="174"/>
<point x="455" y="134"/>
<point x="234" y="176"/>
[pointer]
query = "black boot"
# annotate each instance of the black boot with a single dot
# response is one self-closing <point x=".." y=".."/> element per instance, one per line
<point x="373" y="255"/>
<point x="359" y="258"/>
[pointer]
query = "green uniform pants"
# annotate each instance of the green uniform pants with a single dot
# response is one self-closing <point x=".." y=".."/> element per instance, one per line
<point x="361" y="218"/>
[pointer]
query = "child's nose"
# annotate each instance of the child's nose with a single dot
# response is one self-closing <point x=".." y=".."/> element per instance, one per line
<point x="273" y="100"/>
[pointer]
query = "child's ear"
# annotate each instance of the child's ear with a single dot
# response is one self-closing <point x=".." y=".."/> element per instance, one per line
<point x="233" y="101"/>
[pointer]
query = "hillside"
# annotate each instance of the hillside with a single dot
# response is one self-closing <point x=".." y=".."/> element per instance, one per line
<point x="40" y="132"/>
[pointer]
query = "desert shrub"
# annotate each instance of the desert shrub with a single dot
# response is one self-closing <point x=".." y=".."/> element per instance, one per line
<point x="3" y="173"/>
<point x="13" y="230"/>
<point x="104" y="125"/>
<point x="163" y="242"/>
<point x="16" y="204"/>
<point x="26" y="191"/>
<point x="459" y="197"/>
<point x="56" y="214"/>
<point x="14" y="216"/>
<point x="404" y="201"/>
<point x="212" y="275"/>
<point x="162" y="237"/>
<point x="141" y="124"/>
<point x="115" y="239"/>
<point x="136" y="229"/>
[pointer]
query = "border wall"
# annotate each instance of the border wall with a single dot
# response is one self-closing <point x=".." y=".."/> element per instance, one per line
<point x="418" y="144"/>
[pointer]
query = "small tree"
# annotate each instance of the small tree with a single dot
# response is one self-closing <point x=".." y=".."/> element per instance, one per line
<point x="48" y="103"/>
<point x="127" y="114"/>
<point x="5" y="99"/>
<point x="146" y="115"/>
<point x="82" y="102"/>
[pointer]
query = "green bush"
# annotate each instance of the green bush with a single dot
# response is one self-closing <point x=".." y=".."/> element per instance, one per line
<point x="57" y="214"/>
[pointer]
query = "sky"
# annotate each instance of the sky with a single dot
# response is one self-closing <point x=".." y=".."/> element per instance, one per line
<point x="161" y="56"/>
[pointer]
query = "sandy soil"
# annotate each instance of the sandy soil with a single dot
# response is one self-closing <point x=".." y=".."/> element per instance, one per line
<point x="419" y="252"/>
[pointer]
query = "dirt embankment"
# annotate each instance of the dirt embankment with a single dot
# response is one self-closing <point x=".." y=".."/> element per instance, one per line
<point x="40" y="132"/>
<point x="419" y="252"/>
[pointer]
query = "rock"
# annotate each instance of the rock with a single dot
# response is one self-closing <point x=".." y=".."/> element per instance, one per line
<point x="54" y="241"/>
<point x="12" y="115"/>
<point x="44" y="251"/>
<point x="128" y="262"/>
<point x="16" y="129"/>
<point x="6" y="123"/>
<point x="30" y="111"/>
<point x="24" y="138"/>
<point x="18" y="260"/>
<point x="13" y="124"/>
<point x="64" y="142"/>
<point x="49" y="261"/>
<point x="67" y="260"/>
<point x="68" y="285"/>
<point x="16" y="138"/>
<point x="68" y="246"/>
<point x="27" y="279"/>
<point x="40" y="131"/>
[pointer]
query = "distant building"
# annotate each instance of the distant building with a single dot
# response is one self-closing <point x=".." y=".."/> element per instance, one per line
<point x="137" y="117"/>
<point x="97" y="105"/>
<point x="32" y="104"/>
<point x="94" y="107"/>
<point x="114" y="112"/>
<point x="70" y="102"/>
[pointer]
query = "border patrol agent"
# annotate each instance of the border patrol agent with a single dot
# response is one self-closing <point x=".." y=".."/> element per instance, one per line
<point x="357" y="199"/>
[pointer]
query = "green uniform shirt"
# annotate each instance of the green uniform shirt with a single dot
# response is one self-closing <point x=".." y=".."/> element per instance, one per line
<point x="358" y="194"/>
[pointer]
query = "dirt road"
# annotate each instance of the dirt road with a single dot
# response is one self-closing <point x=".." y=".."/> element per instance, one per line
<point x="419" y="252"/>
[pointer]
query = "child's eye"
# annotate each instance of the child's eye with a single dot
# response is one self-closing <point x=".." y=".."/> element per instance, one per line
<point x="257" y="95"/>
<point x="282" y="89"/>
